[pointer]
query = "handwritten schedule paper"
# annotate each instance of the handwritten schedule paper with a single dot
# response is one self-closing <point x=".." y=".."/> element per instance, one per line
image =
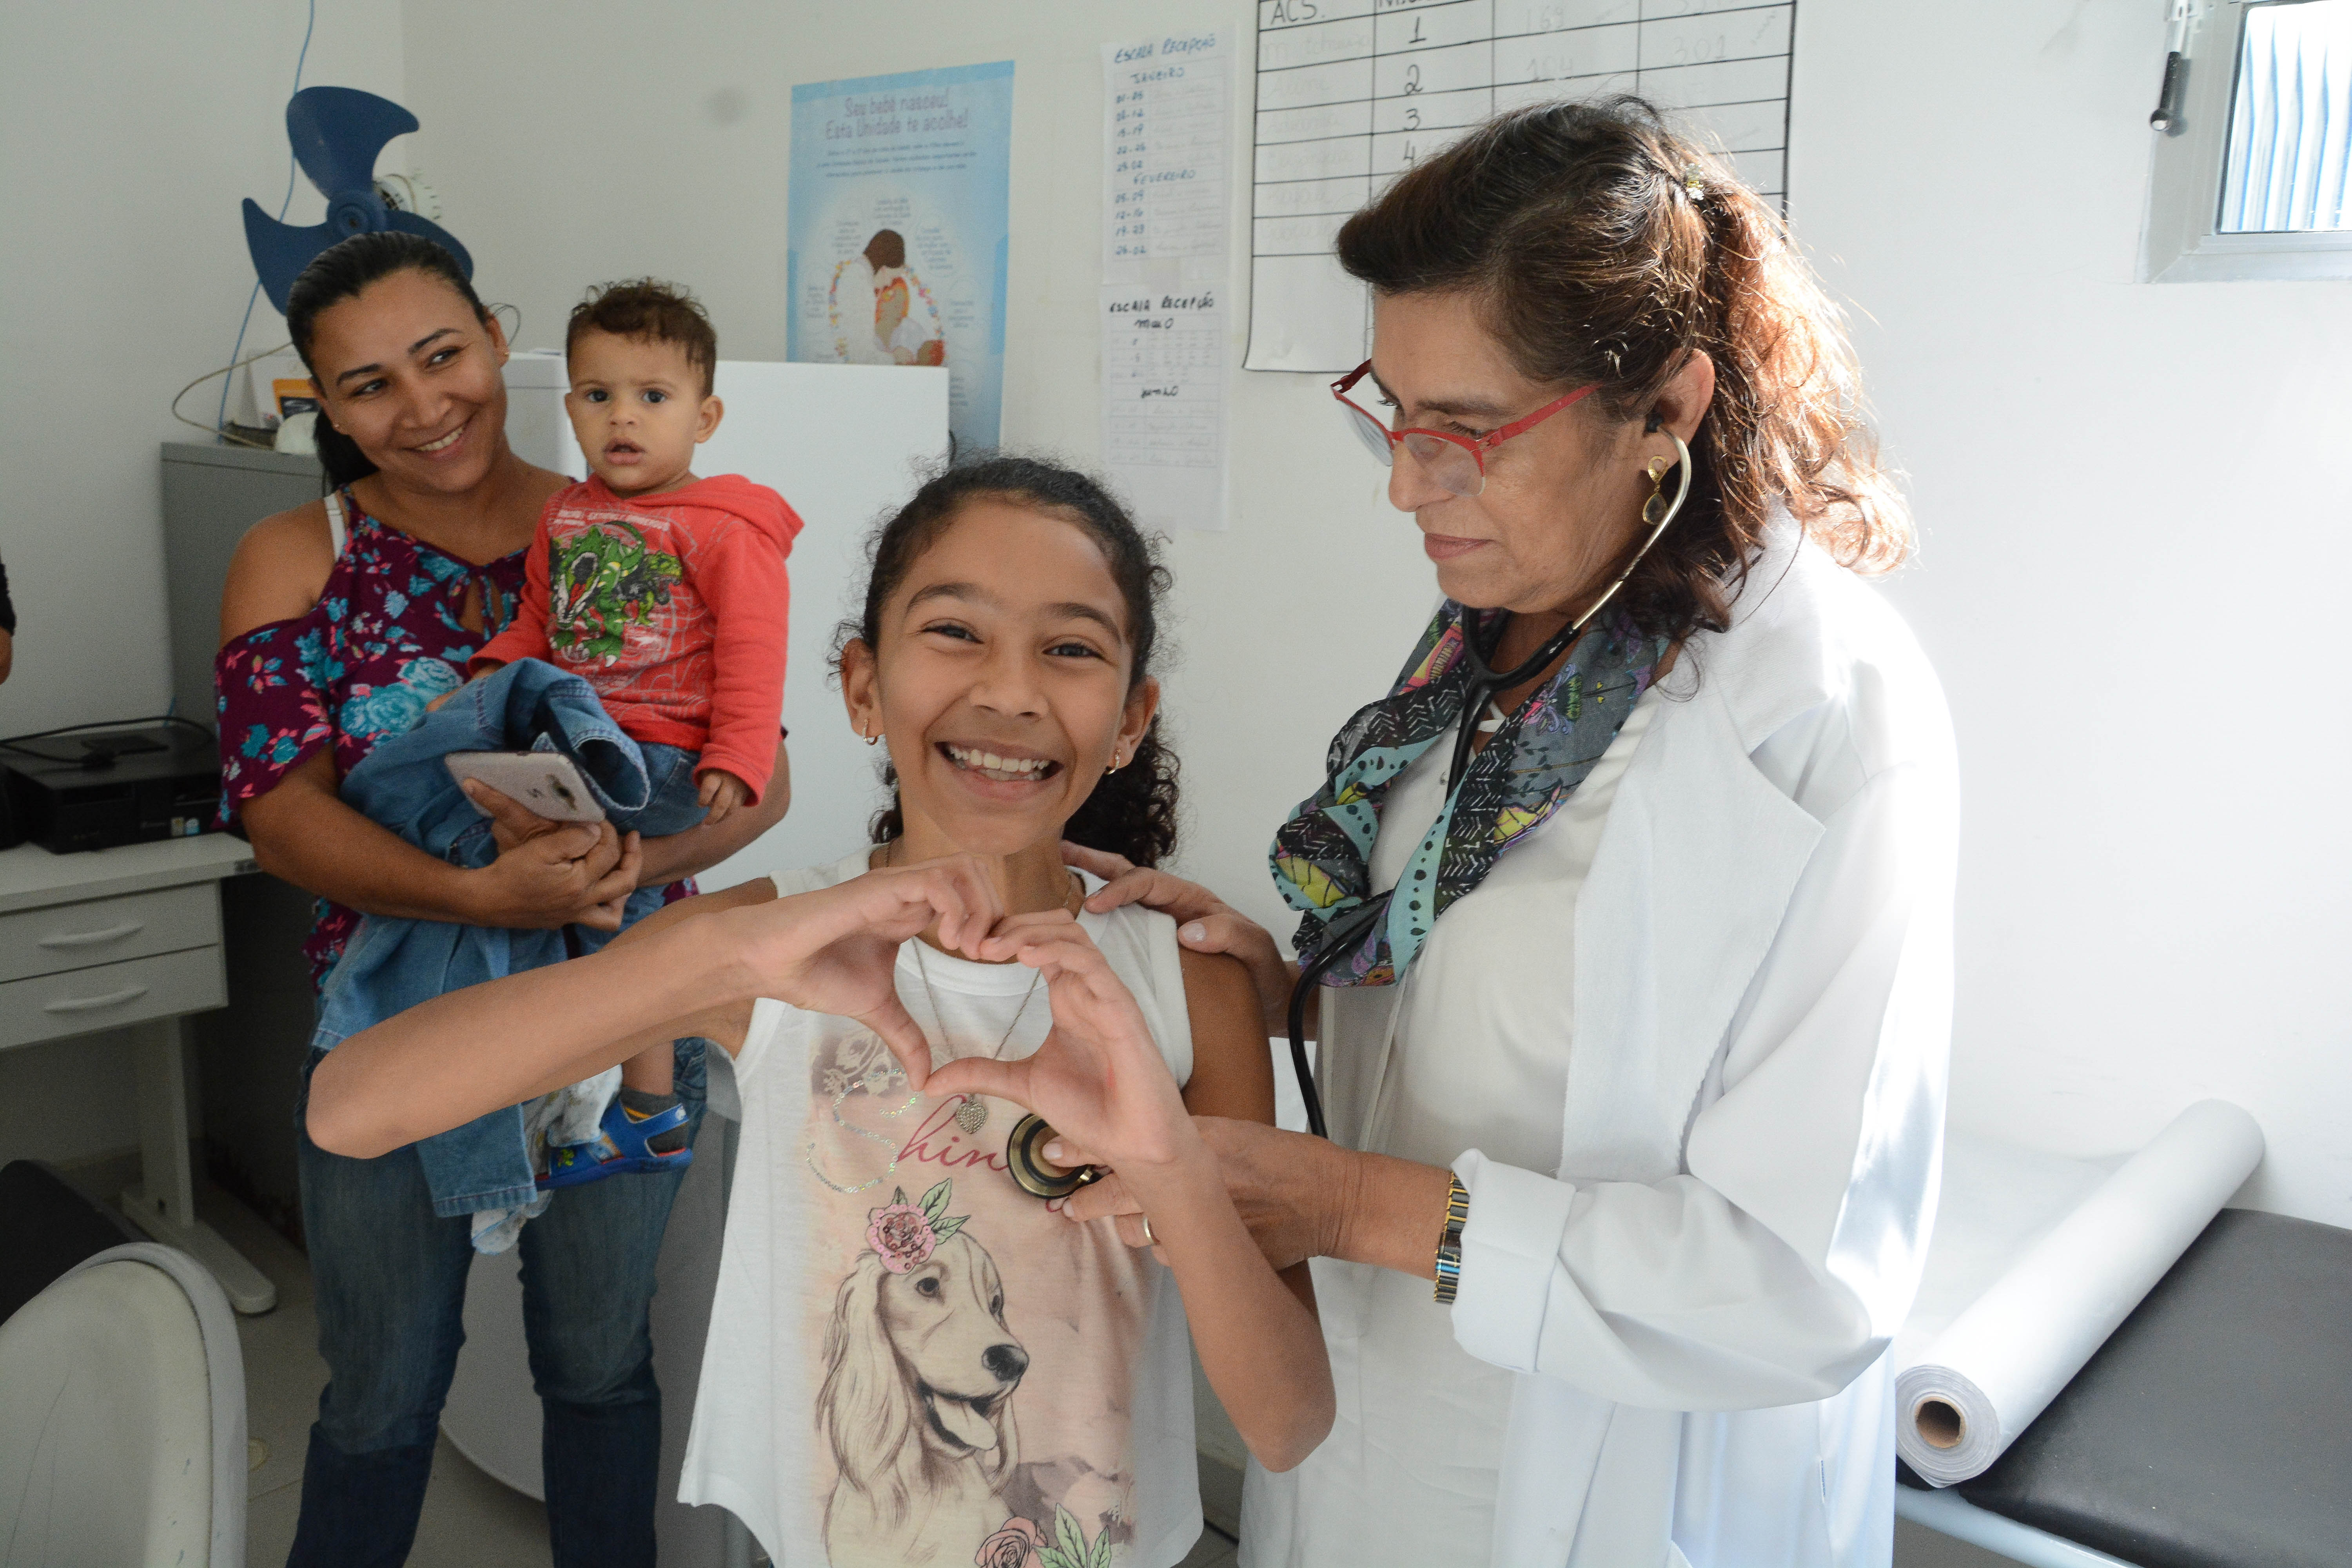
<point x="1166" y="264"/>
<point x="1164" y="403"/>
<point x="1351" y="93"/>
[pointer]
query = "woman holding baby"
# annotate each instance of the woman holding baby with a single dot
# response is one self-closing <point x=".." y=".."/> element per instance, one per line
<point x="1626" y="918"/>
<point x="342" y="621"/>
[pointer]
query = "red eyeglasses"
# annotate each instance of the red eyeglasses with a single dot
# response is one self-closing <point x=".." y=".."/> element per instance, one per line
<point x="1455" y="463"/>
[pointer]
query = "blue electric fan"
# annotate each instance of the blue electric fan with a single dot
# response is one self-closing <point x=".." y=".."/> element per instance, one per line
<point x="337" y="132"/>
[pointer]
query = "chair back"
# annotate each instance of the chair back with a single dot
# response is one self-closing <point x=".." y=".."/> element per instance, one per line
<point x="124" y="1436"/>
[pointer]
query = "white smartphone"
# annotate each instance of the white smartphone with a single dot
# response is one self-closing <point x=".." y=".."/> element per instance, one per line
<point x="546" y="782"/>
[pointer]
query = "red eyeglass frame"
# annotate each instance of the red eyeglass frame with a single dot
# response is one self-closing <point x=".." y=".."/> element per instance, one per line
<point x="1477" y="446"/>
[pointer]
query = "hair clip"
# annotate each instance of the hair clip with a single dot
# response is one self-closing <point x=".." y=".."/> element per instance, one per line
<point x="1694" y="182"/>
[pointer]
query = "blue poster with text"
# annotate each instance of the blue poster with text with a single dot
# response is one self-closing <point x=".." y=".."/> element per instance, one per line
<point x="897" y="223"/>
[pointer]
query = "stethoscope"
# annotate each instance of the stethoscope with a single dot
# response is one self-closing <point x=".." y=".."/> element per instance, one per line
<point x="1484" y="681"/>
<point x="1024" y="1158"/>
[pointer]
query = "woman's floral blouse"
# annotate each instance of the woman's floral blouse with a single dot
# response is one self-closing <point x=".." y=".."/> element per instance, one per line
<point x="385" y="639"/>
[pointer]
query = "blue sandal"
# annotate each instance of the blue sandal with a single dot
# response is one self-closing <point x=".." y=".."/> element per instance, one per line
<point x="622" y="1151"/>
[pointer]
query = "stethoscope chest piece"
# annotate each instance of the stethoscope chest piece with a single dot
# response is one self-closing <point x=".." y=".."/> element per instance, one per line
<point x="1029" y="1171"/>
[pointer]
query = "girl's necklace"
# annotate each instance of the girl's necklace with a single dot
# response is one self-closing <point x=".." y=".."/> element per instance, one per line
<point x="972" y="1114"/>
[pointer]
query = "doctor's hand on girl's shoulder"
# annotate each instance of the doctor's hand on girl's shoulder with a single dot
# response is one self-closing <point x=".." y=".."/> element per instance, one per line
<point x="1205" y="923"/>
<point x="836" y="950"/>
<point x="1098" y="1080"/>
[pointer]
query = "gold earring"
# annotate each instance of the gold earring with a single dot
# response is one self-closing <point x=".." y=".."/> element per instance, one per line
<point x="871" y="736"/>
<point x="1116" y="762"/>
<point x="1654" y="511"/>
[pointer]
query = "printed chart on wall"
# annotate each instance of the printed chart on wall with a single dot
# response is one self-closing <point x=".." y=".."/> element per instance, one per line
<point x="1167" y="268"/>
<point x="898" y="220"/>
<point x="1351" y="93"/>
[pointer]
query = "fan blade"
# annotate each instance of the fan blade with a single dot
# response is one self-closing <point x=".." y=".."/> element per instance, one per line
<point x="338" y="132"/>
<point x="412" y="224"/>
<point x="280" y="250"/>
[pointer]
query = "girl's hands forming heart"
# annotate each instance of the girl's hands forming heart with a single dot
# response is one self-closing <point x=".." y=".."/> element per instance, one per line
<point x="1098" y="1079"/>
<point x="836" y="949"/>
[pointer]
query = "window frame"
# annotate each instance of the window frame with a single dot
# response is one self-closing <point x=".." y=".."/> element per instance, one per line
<point x="2180" y="241"/>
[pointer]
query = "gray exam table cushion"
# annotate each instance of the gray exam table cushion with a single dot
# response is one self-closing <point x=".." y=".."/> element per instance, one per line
<point x="2214" y="1428"/>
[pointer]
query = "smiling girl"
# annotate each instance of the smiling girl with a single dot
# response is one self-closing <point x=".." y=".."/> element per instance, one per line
<point x="911" y="1358"/>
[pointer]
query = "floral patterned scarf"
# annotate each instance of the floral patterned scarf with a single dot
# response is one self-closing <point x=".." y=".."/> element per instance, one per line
<point x="1322" y="856"/>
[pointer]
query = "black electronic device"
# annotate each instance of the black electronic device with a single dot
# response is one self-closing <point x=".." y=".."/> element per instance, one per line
<point x="95" y="789"/>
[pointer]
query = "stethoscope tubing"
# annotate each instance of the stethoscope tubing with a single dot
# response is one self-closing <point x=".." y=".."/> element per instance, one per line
<point x="1484" y="682"/>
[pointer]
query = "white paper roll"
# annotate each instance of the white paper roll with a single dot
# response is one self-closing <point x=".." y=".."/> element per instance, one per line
<point x="2002" y="1360"/>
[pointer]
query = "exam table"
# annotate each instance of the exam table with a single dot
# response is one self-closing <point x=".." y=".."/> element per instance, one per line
<point x="2208" y="1432"/>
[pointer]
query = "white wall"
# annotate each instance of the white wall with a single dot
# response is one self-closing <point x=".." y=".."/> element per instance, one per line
<point x="2135" y="502"/>
<point x="2123" y="486"/>
<point x="130" y="132"/>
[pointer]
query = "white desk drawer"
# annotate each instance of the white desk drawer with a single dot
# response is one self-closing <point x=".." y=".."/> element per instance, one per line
<point x="109" y="995"/>
<point x="103" y="930"/>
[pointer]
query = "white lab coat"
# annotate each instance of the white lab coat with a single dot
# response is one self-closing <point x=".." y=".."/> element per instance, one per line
<point x="1696" y="1300"/>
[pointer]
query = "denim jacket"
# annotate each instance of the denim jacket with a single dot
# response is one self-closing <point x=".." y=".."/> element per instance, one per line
<point x="392" y="964"/>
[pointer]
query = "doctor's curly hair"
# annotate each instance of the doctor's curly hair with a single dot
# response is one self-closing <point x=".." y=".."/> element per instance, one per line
<point x="1133" y="811"/>
<point x="1604" y="249"/>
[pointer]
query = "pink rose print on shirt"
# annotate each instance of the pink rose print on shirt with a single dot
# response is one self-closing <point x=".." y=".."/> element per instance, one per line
<point x="903" y="1234"/>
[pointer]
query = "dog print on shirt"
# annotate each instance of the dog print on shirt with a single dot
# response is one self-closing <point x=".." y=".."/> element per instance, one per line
<point x="977" y="1350"/>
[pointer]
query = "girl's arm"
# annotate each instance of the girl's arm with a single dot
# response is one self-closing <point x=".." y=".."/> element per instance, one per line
<point x="1101" y="1082"/>
<point x="466" y="1053"/>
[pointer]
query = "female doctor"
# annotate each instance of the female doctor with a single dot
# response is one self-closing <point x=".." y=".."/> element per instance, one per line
<point x="1639" y="1071"/>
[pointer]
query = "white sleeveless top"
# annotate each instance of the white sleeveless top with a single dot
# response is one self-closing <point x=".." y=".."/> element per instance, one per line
<point x="910" y="1358"/>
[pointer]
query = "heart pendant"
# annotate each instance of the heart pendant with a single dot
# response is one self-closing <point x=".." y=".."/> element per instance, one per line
<point x="972" y="1114"/>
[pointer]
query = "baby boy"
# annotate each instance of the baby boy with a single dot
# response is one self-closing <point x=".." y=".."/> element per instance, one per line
<point x="666" y="592"/>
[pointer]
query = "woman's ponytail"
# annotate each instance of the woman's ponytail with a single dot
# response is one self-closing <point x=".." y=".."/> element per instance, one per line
<point x="339" y="455"/>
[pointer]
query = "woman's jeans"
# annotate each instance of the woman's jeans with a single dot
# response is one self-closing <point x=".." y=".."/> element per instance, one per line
<point x="390" y="1280"/>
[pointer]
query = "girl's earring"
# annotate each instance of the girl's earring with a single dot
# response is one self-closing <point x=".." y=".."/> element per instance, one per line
<point x="1117" y="761"/>
<point x="872" y="736"/>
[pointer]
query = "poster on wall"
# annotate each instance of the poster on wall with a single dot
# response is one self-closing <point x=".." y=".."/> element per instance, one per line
<point x="1351" y="93"/>
<point x="897" y="230"/>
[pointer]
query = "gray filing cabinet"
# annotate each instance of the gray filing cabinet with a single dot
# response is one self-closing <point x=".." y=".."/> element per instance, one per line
<point x="212" y="494"/>
<point x="249" y="1053"/>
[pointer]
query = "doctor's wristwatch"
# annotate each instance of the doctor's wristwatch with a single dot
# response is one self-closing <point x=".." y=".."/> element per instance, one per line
<point x="1449" y="1240"/>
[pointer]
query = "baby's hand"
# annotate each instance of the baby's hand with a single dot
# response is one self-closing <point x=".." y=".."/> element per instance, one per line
<point x="722" y="792"/>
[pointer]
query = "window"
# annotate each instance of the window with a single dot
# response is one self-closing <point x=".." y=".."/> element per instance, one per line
<point x="2253" y="144"/>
